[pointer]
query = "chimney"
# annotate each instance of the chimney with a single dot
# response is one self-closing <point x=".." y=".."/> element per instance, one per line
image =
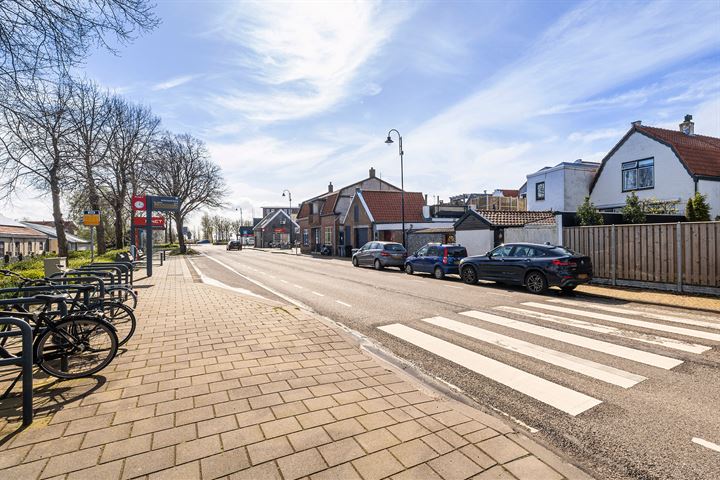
<point x="330" y="187"/>
<point x="426" y="199"/>
<point x="637" y="123"/>
<point x="372" y="172"/>
<point x="688" y="126"/>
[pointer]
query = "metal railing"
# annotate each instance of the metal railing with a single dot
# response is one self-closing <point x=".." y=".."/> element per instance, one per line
<point x="25" y="361"/>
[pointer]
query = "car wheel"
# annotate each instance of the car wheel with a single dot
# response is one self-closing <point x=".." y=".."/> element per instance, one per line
<point x="535" y="282"/>
<point x="408" y="269"/>
<point x="568" y="288"/>
<point x="469" y="275"/>
<point x="438" y="273"/>
<point x="355" y="262"/>
<point x="378" y="265"/>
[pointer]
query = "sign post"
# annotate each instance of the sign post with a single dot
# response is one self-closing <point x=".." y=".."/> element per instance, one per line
<point x="160" y="204"/>
<point x="91" y="218"/>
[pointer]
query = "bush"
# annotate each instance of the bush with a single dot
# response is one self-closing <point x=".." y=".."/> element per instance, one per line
<point x="587" y="214"/>
<point x="697" y="208"/>
<point x="632" y="211"/>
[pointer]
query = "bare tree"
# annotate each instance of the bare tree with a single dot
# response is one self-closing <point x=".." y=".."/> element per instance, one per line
<point x="91" y="114"/>
<point x="207" y="226"/>
<point x="41" y="35"/>
<point x="34" y="133"/>
<point x="134" y="129"/>
<point x="181" y="168"/>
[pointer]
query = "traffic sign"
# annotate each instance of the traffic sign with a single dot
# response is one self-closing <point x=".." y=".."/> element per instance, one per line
<point x="163" y="204"/>
<point x="91" y="218"/>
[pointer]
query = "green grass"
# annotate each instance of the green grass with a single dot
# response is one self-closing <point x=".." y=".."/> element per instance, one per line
<point x="34" y="268"/>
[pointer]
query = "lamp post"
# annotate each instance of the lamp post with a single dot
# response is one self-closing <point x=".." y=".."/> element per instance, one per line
<point x="402" y="183"/>
<point x="290" y="215"/>
<point x="239" y="232"/>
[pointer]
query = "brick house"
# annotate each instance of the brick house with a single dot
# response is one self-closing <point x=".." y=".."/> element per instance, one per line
<point x="276" y="229"/>
<point x="376" y="215"/>
<point x="319" y="217"/>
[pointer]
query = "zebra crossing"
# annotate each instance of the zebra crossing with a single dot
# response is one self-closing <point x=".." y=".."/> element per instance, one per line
<point x="653" y="340"/>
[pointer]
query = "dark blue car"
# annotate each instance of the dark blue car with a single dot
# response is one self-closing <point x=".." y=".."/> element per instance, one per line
<point x="436" y="258"/>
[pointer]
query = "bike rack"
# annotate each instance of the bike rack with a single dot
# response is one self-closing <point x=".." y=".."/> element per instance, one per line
<point x="25" y="361"/>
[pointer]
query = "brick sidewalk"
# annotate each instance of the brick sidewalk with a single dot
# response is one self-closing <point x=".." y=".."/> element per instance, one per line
<point x="214" y="384"/>
<point x="653" y="297"/>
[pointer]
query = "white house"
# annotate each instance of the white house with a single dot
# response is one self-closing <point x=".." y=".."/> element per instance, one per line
<point x="660" y="164"/>
<point x="560" y="188"/>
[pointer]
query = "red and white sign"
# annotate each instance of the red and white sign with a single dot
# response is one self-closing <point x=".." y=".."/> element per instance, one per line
<point x="279" y="230"/>
<point x="139" y="202"/>
<point x="157" y="222"/>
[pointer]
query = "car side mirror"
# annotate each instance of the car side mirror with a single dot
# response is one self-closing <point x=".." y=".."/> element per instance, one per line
<point x="489" y="254"/>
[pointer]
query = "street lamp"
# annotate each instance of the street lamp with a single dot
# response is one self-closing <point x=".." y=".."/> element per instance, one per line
<point x="239" y="232"/>
<point x="402" y="183"/>
<point x="290" y="215"/>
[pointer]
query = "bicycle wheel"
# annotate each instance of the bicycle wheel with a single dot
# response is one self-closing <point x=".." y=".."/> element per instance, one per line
<point x="122" y="318"/>
<point x="76" y="347"/>
<point x="123" y="295"/>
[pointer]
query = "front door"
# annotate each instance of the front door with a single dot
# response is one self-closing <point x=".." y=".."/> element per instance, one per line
<point x="361" y="236"/>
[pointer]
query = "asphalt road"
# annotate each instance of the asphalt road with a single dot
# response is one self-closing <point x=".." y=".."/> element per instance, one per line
<point x="624" y="390"/>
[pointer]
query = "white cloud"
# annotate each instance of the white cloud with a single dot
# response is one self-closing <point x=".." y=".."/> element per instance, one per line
<point x="173" y="82"/>
<point x="305" y="56"/>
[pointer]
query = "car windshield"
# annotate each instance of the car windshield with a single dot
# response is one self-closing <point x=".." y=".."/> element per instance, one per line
<point x="394" y="247"/>
<point x="457" y="252"/>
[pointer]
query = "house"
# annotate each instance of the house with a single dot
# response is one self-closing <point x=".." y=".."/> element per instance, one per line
<point x="376" y="215"/>
<point x="17" y="239"/>
<point x="560" y="188"/>
<point x="51" y="244"/>
<point x="319" y="217"/>
<point x="667" y="166"/>
<point x="292" y="211"/>
<point x="70" y="226"/>
<point x="277" y="228"/>
<point x="499" y="199"/>
<point x="479" y="231"/>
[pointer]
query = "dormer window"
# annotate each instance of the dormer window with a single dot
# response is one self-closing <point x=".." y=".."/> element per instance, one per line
<point x="638" y="175"/>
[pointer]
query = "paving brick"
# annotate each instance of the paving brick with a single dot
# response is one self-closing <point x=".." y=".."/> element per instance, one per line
<point x="266" y="471"/>
<point x="309" y="438"/>
<point x="451" y="437"/>
<point x="480" y="435"/>
<point x="346" y="411"/>
<point x="269" y="450"/>
<point x="67" y="414"/>
<point x="289" y="409"/>
<point x="149" y="462"/>
<point x="341" y="451"/>
<point x="173" y="436"/>
<point x="25" y="470"/>
<point x="188" y="471"/>
<point x="477" y="456"/>
<point x="377" y="440"/>
<point x="196" y="449"/>
<point x="530" y="468"/>
<point x="416" y="473"/>
<point x="375" y="420"/>
<point x="216" y="425"/>
<point x="104" y="471"/>
<point x="344" y="428"/>
<point x="502" y="449"/>
<point x="12" y="457"/>
<point x="153" y="424"/>
<point x="69" y="462"/>
<point x="451" y="418"/>
<point x="87" y="424"/>
<point x="231" y="407"/>
<point x="126" y="448"/>
<point x="134" y="414"/>
<point x="105" y="435"/>
<point x="495" y="473"/>
<point x="377" y="465"/>
<point x="313" y="419"/>
<point x="174" y="406"/>
<point x="319" y="403"/>
<point x="301" y="464"/>
<point x="254" y="417"/>
<point x="224" y="463"/>
<point x="341" y="472"/>
<point x="283" y="426"/>
<point x="53" y="447"/>
<point x="437" y="443"/>
<point x="455" y="466"/>
<point x="194" y="415"/>
<point x="408" y="430"/>
<point x="413" y="453"/>
<point x="468" y="427"/>
<point x="241" y="437"/>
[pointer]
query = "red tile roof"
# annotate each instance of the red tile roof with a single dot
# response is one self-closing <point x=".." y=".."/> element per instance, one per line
<point x="509" y="193"/>
<point x="329" y="205"/>
<point x="700" y="154"/>
<point x="385" y="206"/>
<point x="510" y="218"/>
<point x="26" y="232"/>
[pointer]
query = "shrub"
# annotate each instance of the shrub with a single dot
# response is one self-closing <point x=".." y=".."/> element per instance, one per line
<point x="587" y="214"/>
<point x="697" y="208"/>
<point x="632" y="211"/>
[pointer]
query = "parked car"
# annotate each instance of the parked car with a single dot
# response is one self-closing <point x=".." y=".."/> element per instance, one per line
<point x="535" y="266"/>
<point x="204" y="242"/>
<point x="436" y="258"/>
<point x="380" y="255"/>
<point x="234" y="245"/>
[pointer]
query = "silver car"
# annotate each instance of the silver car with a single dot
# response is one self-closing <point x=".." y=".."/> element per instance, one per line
<point x="380" y="255"/>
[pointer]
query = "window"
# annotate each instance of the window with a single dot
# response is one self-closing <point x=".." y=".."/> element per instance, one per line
<point x="502" y="251"/>
<point x="540" y="191"/>
<point x="638" y="175"/>
<point x="423" y="251"/>
<point x="393" y="247"/>
<point x="2" y="248"/>
<point x="433" y="252"/>
<point x="328" y="236"/>
<point x="356" y="213"/>
<point x="306" y="237"/>
<point x="30" y="248"/>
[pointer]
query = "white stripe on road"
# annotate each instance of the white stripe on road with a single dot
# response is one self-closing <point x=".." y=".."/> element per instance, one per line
<point x="318" y="294"/>
<point x="640" y="313"/>
<point x="452" y="286"/>
<point x="628" y="321"/>
<point x="298" y="286"/>
<point x="550" y="393"/>
<point x="343" y="303"/>
<point x="211" y="281"/>
<point x="610" y="330"/>
<point x="706" y="444"/>
<point x="647" y="358"/>
<point x="589" y="368"/>
<point x="284" y="281"/>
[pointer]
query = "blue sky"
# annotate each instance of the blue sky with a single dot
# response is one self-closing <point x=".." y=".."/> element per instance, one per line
<point x="296" y="94"/>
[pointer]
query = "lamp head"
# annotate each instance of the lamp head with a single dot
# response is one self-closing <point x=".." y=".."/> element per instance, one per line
<point x="389" y="140"/>
<point x="283" y="194"/>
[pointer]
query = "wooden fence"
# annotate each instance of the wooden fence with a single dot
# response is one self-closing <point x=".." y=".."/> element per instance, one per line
<point x="652" y="254"/>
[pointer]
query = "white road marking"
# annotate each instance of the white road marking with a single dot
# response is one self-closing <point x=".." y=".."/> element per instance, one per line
<point x="610" y="330"/>
<point x="452" y="286"/>
<point x="298" y="286"/>
<point x="343" y="303"/>
<point x="284" y="281"/>
<point x="589" y="368"/>
<point x="640" y="313"/>
<point x="647" y="358"/>
<point x="297" y="303"/>
<point x="628" y="321"/>
<point x="318" y="294"/>
<point x="211" y="281"/>
<point x="557" y="396"/>
<point x="706" y="444"/>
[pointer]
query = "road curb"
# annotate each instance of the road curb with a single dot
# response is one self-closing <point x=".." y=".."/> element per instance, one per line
<point x="648" y="302"/>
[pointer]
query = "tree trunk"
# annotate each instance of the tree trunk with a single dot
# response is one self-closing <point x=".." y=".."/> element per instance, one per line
<point x="57" y="216"/>
<point x="119" y="234"/>
<point x="94" y="200"/>
<point x="181" y="237"/>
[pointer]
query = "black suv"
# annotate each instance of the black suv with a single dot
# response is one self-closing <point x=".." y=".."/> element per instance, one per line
<point x="535" y="266"/>
<point x="234" y="245"/>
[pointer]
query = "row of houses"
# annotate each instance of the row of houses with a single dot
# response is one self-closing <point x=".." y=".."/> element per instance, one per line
<point x="22" y="239"/>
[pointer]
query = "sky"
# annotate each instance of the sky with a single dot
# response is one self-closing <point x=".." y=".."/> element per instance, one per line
<point x="293" y="95"/>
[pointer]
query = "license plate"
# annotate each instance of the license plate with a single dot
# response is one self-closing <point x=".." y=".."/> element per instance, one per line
<point x="582" y="276"/>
